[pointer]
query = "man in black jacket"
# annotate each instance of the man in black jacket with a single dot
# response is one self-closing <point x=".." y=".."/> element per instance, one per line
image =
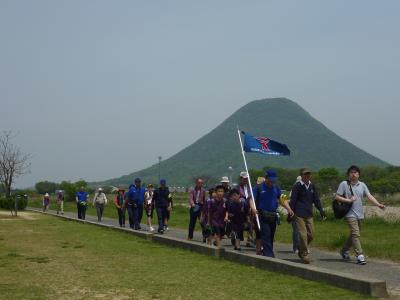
<point x="304" y="195"/>
<point x="161" y="198"/>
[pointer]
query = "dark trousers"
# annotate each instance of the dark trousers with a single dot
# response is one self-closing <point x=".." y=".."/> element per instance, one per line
<point x="121" y="216"/>
<point x="131" y="216"/>
<point x="161" y="216"/>
<point x="81" y="211"/>
<point x="140" y="213"/>
<point x="194" y="215"/>
<point x="268" y="228"/>
<point x="99" y="211"/>
<point x="135" y="213"/>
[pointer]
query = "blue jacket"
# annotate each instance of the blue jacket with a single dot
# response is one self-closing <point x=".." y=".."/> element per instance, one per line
<point x="266" y="198"/>
<point x="136" y="195"/>
<point x="82" y="196"/>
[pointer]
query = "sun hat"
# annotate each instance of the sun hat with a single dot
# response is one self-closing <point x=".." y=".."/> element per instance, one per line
<point x="224" y="179"/>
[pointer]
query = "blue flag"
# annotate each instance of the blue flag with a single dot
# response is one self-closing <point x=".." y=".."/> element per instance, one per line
<point x="264" y="145"/>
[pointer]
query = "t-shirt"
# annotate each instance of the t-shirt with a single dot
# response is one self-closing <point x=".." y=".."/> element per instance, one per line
<point x="360" y="191"/>
<point x="217" y="213"/>
<point x="82" y="196"/>
<point x="238" y="212"/>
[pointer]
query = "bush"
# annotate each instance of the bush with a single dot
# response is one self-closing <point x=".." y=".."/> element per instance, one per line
<point x="10" y="202"/>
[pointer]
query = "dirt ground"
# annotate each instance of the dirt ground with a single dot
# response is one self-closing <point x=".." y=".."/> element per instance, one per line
<point x="6" y="215"/>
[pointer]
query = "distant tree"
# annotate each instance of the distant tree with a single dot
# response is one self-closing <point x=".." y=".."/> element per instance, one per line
<point x="43" y="187"/>
<point x="70" y="188"/>
<point x="13" y="162"/>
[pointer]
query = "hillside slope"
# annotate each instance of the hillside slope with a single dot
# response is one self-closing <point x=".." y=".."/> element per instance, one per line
<point x="310" y="142"/>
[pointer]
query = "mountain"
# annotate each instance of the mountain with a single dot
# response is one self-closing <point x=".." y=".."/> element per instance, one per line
<point x="311" y="144"/>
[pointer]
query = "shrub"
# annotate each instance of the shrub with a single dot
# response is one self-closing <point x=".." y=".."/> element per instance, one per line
<point x="10" y="202"/>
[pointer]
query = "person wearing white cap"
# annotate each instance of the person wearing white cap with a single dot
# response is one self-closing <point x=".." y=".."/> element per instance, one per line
<point x="225" y="183"/>
<point x="245" y="193"/>
<point x="46" y="202"/>
<point x="99" y="201"/>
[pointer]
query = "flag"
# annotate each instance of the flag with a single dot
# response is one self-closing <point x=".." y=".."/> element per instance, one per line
<point x="264" y="145"/>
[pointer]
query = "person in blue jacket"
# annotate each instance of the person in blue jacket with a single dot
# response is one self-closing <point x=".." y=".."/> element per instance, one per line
<point x="81" y="199"/>
<point x="266" y="196"/>
<point x="134" y="203"/>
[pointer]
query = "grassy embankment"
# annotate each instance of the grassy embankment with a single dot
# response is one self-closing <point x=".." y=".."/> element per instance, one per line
<point x="329" y="234"/>
<point x="48" y="258"/>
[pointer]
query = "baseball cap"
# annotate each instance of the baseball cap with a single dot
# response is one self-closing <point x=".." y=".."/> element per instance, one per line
<point x="137" y="179"/>
<point x="271" y="175"/>
<point x="163" y="181"/>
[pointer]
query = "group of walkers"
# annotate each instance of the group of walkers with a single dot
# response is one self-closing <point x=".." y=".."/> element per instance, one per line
<point x="233" y="213"/>
<point x="135" y="200"/>
<point x="239" y="213"/>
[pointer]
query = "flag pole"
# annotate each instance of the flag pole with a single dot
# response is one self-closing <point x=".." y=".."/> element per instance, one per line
<point x="247" y="171"/>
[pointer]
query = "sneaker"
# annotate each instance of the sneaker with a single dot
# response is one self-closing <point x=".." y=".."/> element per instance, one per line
<point x="160" y="231"/>
<point x="361" y="260"/>
<point x="296" y="251"/>
<point x="345" y="255"/>
<point x="151" y="228"/>
<point x="166" y="228"/>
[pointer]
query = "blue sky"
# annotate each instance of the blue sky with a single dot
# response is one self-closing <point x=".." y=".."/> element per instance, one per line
<point x="98" y="89"/>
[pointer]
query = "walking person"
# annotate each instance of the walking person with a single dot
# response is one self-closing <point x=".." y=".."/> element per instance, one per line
<point x="135" y="204"/>
<point x="81" y="199"/>
<point x="60" y="202"/>
<point x="99" y="201"/>
<point x="353" y="191"/>
<point x="161" y="202"/>
<point x="218" y="215"/>
<point x="238" y="213"/>
<point x="304" y="195"/>
<point x="267" y="195"/>
<point x="295" y="231"/>
<point x="245" y="195"/>
<point x="169" y="210"/>
<point x="197" y="198"/>
<point x="149" y="205"/>
<point x="207" y="230"/>
<point x="46" y="202"/>
<point x="119" y="205"/>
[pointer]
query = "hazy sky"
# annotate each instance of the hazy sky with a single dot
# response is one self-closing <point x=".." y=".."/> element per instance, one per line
<point x="98" y="89"/>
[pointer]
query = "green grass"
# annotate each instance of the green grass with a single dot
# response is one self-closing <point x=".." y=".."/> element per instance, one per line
<point x="329" y="234"/>
<point x="47" y="264"/>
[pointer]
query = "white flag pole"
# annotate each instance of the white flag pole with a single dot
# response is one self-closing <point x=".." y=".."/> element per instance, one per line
<point x="247" y="171"/>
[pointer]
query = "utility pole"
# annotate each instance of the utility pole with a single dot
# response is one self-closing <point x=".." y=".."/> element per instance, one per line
<point x="159" y="168"/>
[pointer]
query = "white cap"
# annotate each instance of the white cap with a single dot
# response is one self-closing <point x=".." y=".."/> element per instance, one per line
<point x="100" y="189"/>
<point x="225" y="179"/>
<point x="244" y="175"/>
<point x="46" y="195"/>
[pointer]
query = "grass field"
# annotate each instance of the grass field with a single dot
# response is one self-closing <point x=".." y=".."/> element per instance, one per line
<point x="330" y="234"/>
<point x="47" y="258"/>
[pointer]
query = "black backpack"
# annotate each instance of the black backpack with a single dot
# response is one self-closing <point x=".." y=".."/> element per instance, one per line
<point x="340" y="209"/>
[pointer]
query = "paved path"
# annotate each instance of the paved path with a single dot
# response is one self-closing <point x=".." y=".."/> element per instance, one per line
<point x="375" y="269"/>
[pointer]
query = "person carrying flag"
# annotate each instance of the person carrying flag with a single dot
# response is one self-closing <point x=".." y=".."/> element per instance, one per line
<point x="267" y="197"/>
